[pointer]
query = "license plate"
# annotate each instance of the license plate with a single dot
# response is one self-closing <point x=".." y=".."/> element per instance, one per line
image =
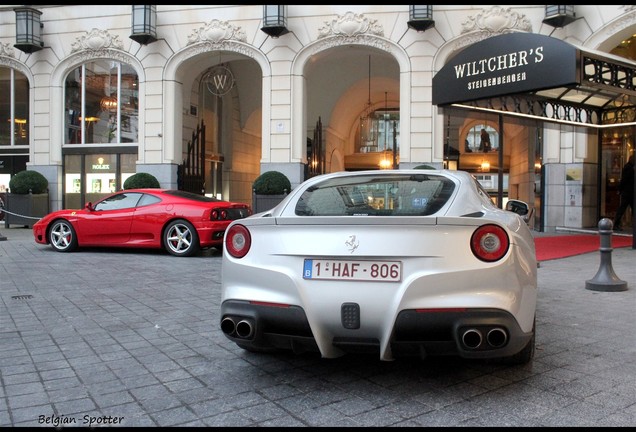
<point x="381" y="271"/>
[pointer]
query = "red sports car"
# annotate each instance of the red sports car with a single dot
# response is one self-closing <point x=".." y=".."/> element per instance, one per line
<point x="179" y="221"/>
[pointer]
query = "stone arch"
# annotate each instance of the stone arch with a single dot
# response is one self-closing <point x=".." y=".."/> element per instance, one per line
<point x="174" y="76"/>
<point x="56" y="100"/>
<point x="486" y="23"/>
<point x="372" y="41"/>
<point x="11" y="63"/>
<point x="8" y="61"/>
<point x="609" y="35"/>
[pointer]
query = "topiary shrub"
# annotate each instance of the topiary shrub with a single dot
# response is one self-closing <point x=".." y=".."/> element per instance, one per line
<point x="271" y="183"/>
<point x="28" y="181"/>
<point x="141" y="180"/>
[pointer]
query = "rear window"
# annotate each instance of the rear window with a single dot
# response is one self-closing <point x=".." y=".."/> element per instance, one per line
<point x="373" y="195"/>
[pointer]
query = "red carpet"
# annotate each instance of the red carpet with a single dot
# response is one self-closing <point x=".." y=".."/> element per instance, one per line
<point x="561" y="246"/>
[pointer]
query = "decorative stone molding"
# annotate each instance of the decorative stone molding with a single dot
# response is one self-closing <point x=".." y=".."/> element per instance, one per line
<point x="338" y="41"/>
<point x="201" y="48"/>
<point x="350" y="25"/>
<point x="6" y="50"/>
<point x="216" y="32"/>
<point x="85" y="56"/>
<point x="497" y="20"/>
<point x="623" y="22"/>
<point x="9" y="62"/>
<point x="97" y="40"/>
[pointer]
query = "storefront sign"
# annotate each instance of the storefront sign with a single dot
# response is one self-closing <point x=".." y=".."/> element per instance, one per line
<point x="100" y="165"/>
<point x="506" y="64"/>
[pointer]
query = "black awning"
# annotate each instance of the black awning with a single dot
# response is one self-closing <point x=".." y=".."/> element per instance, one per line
<point x="534" y="75"/>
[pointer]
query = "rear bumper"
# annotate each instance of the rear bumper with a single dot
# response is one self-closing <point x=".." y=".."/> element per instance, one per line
<point x="211" y="235"/>
<point x="476" y="333"/>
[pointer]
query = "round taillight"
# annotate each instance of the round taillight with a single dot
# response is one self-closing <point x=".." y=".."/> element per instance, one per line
<point x="223" y="214"/>
<point x="489" y="243"/>
<point x="214" y="215"/>
<point x="238" y="241"/>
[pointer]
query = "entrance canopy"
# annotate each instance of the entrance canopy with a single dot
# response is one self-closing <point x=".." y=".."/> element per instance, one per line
<point x="537" y="76"/>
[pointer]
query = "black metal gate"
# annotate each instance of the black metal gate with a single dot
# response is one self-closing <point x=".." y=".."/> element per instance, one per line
<point x="316" y="153"/>
<point x="191" y="173"/>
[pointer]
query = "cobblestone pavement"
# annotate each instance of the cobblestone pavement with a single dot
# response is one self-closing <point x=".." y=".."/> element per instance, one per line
<point x="131" y="338"/>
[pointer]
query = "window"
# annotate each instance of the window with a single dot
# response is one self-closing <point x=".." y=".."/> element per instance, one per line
<point x="14" y="108"/>
<point x="399" y="195"/>
<point x="101" y="103"/>
<point x="119" y="202"/>
<point x="383" y="132"/>
<point x="481" y="139"/>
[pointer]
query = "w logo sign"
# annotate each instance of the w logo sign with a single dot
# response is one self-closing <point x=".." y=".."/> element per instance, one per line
<point x="219" y="80"/>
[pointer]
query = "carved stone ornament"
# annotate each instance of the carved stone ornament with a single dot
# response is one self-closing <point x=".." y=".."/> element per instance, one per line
<point x="96" y="40"/>
<point x="497" y="20"/>
<point x="623" y="22"/>
<point x="215" y="32"/>
<point x="350" y="24"/>
<point x="6" y="50"/>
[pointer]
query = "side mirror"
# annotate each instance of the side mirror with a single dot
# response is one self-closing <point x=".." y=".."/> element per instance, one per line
<point x="89" y="206"/>
<point x="521" y="208"/>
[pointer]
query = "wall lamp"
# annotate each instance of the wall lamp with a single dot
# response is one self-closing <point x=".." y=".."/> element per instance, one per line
<point x="144" y="24"/>
<point x="28" y="29"/>
<point x="275" y="20"/>
<point x="421" y="17"/>
<point x="559" y="15"/>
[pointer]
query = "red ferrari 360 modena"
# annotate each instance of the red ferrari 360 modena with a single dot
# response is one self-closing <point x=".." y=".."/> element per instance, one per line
<point x="180" y="222"/>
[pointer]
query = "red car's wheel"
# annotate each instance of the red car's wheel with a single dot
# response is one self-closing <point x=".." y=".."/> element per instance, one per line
<point x="62" y="236"/>
<point x="181" y="239"/>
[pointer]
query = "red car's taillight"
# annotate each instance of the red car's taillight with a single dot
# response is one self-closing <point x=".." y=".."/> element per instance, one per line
<point x="232" y="213"/>
<point x="219" y="214"/>
<point x="238" y="241"/>
<point x="489" y="243"/>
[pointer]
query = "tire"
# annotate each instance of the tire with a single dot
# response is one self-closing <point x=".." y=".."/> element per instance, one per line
<point x="62" y="236"/>
<point x="180" y="238"/>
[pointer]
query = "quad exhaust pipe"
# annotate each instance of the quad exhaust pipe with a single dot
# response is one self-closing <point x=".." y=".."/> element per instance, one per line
<point x="228" y="326"/>
<point x="473" y="338"/>
<point x="497" y="337"/>
<point x="243" y="329"/>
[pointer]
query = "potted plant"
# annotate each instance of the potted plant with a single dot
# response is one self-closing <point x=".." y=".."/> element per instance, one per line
<point x="269" y="189"/>
<point x="141" y="180"/>
<point x="27" y="200"/>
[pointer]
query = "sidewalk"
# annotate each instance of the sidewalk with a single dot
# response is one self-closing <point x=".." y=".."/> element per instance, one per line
<point x="131" y="338"/>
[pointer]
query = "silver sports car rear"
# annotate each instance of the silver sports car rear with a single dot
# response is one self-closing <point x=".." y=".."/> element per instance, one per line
<point x="404" y="262"/>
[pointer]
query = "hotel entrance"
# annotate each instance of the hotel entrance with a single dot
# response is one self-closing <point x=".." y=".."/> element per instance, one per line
<point x="562" y="115"/>
<point x="617" y="146"/>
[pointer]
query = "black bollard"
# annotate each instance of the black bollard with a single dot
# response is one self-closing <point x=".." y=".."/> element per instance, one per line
<point x="606" y="279"/>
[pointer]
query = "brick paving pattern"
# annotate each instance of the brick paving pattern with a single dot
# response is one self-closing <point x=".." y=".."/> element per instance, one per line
<point x="131" y="338"/>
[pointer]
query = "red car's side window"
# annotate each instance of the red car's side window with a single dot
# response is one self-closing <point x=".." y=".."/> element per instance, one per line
<point x="119" y="201"/>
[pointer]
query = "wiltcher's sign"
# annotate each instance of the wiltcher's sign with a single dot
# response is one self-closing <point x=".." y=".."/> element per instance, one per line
<point x="506" y="64"/>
